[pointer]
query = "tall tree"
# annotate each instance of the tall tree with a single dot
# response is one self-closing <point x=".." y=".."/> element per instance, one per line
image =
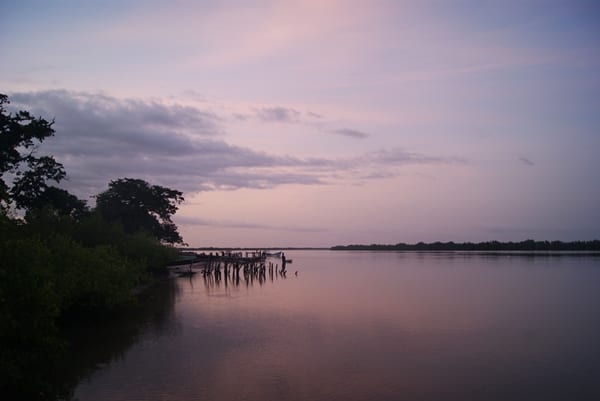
<point x="139" y="206"/>
<point x="20" y="136"/>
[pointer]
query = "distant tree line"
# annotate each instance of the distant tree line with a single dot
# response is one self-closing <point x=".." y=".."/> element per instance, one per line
<point x="527" y="245"/>
<point x="62" y="262"/>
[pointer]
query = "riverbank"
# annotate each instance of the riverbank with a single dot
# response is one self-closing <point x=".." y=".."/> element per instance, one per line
<point x="57" y="276"/>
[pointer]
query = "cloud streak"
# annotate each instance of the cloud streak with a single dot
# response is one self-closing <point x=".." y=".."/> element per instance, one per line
<point x="286" y="115"/>
<point x="100" y="138"/>
<point x="196" y="221"/>
<point x="526" y="161"/>
<point x="279" y="114"/>
<point x="350" y="133"/>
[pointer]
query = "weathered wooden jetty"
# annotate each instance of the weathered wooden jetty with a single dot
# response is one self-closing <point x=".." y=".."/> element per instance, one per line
<point x="249" y="265"/>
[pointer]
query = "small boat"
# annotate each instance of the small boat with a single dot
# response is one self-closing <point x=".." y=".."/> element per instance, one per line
<point x="288" y="261"/>
<point x="185" y="259"/>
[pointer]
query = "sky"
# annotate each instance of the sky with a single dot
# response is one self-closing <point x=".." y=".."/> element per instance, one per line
<point x="317" y="123"/>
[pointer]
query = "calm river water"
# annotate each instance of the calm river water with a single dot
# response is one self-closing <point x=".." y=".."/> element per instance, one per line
<point x="364" y="326"/>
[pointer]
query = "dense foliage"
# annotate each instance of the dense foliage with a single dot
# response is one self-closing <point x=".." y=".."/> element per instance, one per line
<point x="61" y="263"/>
<point x="139" y="206"/>
<point x="528" y="245"/>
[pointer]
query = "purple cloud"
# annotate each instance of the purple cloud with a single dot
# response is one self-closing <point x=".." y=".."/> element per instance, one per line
<point x="100" y="138"/>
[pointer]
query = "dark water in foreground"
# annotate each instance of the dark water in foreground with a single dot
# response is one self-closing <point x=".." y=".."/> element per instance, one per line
<point x="366" y="326"/>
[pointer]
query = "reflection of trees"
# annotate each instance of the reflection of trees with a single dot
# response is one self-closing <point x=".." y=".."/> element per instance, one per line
<point x="97" y="344"/>
<point x="102" y="342"/>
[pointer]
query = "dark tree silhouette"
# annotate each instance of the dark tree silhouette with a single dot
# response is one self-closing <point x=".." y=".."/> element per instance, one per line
<point x="139" y="206"/>
<point x="58" y="202"/>
<point x="20" y="135"/>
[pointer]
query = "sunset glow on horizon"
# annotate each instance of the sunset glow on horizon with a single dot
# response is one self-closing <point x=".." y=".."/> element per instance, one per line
<point x="316" y="123"/>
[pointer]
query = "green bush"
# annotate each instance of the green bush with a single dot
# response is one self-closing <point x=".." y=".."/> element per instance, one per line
<point x="139" y="248"/>
<point x="91" y="279"/>
<point x="61" y="273"/>
<point x="29" y="307"/>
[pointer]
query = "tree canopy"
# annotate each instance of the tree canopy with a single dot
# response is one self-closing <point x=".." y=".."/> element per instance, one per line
<point x="139" y="206"/>
<point x="57" y="202"/>
<point x="20" y="135"/>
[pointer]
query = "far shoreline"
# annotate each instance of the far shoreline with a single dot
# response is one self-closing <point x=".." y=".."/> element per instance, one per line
<point x="530" y="246"/>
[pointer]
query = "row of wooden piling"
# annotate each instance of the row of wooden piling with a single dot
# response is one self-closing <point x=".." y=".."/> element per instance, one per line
<point x="232" y="267"/>
<point x="235" y="274"/>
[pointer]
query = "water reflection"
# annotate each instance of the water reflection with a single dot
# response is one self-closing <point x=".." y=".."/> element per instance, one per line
<point x="358" y="326"/>
<point x="96" y="346"/>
